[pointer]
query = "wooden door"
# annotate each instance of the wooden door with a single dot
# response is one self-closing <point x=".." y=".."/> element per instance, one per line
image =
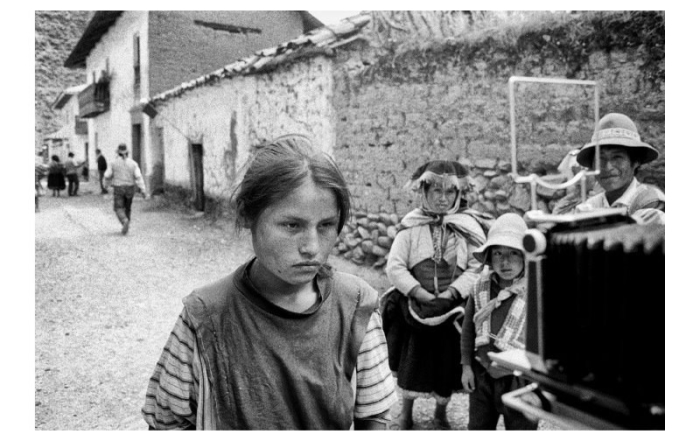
<point x="197" y="175"/>
<point x="136" y="138"/>
<point x="87" y="161"/>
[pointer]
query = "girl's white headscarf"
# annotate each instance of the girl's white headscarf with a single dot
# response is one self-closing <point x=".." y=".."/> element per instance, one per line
<point x="465" y="222"/>
<point x="445" y="174"/>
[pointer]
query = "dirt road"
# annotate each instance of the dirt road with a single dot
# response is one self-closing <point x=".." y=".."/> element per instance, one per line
<point x="105" y="304"/>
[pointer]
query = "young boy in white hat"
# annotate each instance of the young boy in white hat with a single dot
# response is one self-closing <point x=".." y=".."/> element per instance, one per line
<point x="495" y="321"/>
<point x="622" y="152"/>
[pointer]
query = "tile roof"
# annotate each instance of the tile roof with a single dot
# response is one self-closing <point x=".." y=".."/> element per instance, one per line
<point x="318" y="41"/>
<point x="99" y="24"/>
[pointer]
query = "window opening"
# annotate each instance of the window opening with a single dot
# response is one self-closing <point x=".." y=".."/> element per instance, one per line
<point x="228" y="28"/>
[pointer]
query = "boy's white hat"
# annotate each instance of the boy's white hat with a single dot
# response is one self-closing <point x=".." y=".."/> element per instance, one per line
<point x="508" y="230"/>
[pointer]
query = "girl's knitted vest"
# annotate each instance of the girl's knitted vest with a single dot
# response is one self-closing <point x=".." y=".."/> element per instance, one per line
<point x="512" y="333"/>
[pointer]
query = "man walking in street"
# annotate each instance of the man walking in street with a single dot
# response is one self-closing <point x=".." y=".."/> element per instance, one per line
<point x="125" y="176"/>
<point x="101" y="168"/>
<point x="72" y="175"/>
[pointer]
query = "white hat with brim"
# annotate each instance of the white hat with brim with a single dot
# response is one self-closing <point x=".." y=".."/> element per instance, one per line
<point x="618" y="130"/>
<point x="508" y="230"/>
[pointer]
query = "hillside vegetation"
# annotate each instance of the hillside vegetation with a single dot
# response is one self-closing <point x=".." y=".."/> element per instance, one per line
<point x="55" y="35"/>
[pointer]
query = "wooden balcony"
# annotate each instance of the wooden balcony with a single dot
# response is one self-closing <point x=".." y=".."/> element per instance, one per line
<point x="94" y="99"/>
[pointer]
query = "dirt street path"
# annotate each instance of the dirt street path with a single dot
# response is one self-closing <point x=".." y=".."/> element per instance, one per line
<point x="105" y="304"/>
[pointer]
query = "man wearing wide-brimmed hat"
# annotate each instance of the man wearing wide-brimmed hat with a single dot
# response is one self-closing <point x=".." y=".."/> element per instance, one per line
<point x="126" y="177"/>
<point x="621" y="153"/>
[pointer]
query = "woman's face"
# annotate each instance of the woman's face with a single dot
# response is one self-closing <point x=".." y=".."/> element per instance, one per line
<point x="440" y="199"/>
<point x="507" y="262"/>
<point x="293" y="237"/>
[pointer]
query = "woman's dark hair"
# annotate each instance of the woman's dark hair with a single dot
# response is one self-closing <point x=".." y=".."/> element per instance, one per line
<point x="55" y="158"/>
<point x="279" y="167"/>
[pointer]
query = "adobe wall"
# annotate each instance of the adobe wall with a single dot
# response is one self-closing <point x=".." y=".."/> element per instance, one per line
<point x="181" y="50"/>
<point x="114" y="54"/>
<point x="231" y="115"/>
<point x="383" y="114"/>
<point x="396" y="111"/>
<point x="451" y="102"/>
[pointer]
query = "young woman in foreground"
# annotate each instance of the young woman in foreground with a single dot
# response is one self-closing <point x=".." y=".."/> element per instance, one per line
<point x="284" y="342"/>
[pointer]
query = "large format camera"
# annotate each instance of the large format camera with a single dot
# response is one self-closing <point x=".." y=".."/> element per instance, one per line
<point x="595" y="328"/>
<point x="595" y="333"/>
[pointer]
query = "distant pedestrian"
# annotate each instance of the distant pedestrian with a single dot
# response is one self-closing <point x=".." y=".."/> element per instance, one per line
<point x="284" y="342"/>
<point x="101" y="169"/>
<point x="72" y="174"/>
<point x="126" y="178"/>
<point x="57" y="176"/>
<point x="40" y="170"/>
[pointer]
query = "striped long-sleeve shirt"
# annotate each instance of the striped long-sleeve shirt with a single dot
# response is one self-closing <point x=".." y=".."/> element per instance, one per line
<point x="178" y="395"/>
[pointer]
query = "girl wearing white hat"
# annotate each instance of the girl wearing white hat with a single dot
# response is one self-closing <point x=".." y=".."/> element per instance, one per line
<point x="494" y="321"/>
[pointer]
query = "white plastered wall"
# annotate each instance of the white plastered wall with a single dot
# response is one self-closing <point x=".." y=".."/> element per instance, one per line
<point x="230" y="116"/>
<point x="117" y="46"/>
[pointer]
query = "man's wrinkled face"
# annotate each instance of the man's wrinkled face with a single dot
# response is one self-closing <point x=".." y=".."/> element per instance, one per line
<point x="616" y="168"/>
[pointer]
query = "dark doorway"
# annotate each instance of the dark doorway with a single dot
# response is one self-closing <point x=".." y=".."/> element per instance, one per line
<point x="86" y="167"/>
<point x="136" y="144"/>
<point x="197" y="175"/>
<point x="158" y="164"/>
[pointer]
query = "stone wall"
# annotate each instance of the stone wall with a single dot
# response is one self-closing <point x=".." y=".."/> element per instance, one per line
<point x="386" y="112"/>
<point x="367" y="237"/>
<point x="181" y="50"/>
<point x="397" y="110"/>
<point x="230" y="116"/>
